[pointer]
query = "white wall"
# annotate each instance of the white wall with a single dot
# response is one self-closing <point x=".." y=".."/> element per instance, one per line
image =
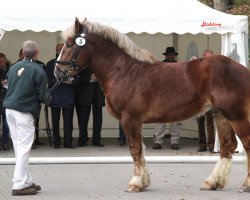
<point x="188" y="44"/>
<point x="155" y="43"/>
<point x="12" y="42"/>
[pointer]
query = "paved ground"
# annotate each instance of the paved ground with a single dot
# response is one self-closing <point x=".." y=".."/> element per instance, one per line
<point x="188" y="146"/>
<point x="180" y="181"/>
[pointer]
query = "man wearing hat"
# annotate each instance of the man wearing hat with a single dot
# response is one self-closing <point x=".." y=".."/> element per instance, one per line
<point x="170" y="56"/>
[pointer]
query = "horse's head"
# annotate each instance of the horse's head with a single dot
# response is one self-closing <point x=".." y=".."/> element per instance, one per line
<point x="73" y="56"/>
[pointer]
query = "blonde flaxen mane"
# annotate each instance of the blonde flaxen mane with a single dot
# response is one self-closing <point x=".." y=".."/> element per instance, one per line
<point x="121" y="40"/>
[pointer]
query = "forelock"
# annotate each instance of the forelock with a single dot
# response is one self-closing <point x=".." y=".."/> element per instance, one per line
<point x="69" y="32"/>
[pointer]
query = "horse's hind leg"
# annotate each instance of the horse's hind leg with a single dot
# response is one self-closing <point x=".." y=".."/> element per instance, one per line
<point x="228" y="144"/>
<point x="141" y="178"/>
<point x="242" y="129"/>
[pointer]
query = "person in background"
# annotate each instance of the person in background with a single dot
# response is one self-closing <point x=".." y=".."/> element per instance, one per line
<point x="122" y="137"/>
<point x="20" y="55"/>
<point x="37" y="139"/>
<point x="206" y="143"/>
<point x="27" y="87"/>
<point x="4" y="68"/>
<point x="89" y="95"/>
<point x="170" y="56"/>
<point x="63" y="98"/>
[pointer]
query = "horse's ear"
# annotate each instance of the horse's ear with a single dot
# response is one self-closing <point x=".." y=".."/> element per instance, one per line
<point x="78" y="26"/>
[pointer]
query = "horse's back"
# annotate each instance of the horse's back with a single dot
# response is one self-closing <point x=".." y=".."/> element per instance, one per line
<point x="229" y="86"/>
<point x="185" y="89"/>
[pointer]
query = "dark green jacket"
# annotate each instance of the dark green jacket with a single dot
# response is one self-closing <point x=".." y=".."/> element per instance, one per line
<point x="27" y="88"/>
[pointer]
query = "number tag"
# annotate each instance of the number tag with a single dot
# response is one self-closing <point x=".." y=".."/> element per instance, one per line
<point x="80" y="41"/>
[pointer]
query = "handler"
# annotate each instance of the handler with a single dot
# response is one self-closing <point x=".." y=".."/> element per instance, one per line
<point x="27" y="88"/>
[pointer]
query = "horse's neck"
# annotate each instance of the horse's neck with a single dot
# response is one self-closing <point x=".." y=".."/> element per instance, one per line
<point x="108" y="61"/>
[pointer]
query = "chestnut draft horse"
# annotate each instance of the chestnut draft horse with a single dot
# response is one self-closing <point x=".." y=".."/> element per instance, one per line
<point x="140" y="89"/>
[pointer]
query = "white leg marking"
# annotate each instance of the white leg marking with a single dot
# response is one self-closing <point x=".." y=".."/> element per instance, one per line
<point x="220" y="174"/>
<point x="143" y="180"/>
<point x="145" y="174"/>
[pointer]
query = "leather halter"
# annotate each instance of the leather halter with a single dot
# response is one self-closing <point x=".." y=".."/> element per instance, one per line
<point x="72" y="63"/>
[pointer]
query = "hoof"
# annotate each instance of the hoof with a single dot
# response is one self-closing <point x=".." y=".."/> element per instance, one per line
<point x="207" y="186"/>
<point x="146" y="181"/>
<point x="244" y="188"/>
<point x="134" y="188"/>
<point x="146" y="184"/>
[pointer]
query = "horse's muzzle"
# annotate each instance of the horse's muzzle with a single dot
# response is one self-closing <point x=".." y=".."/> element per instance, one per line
<point x="59" y="74"/>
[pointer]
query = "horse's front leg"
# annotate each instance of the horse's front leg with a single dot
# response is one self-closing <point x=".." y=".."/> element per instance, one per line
<point x="141" y="178"/>
<point x="228" y="144"/>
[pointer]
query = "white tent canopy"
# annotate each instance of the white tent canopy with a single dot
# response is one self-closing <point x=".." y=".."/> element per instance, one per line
<point x="150" y="16"/>
<point x="179" y="16"/>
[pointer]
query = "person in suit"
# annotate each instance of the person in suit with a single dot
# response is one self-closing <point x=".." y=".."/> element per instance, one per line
<point x="89" y="96"/>
<point x="170" y="56"/>
<point x="37" y="139"/>
<point x="121" y="140"/>
<point x="4" y="68"/>
<point x="63" y="98"/>
<point x="206" y="142"/>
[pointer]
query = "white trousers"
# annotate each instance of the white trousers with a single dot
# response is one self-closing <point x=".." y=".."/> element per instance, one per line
<point x="22" y="129"/>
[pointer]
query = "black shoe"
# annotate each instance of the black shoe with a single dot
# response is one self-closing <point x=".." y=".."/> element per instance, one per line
<point x="37" y="142"/>
<point x="36" y="187"/>
<point x="69" y="146"/>
<point x="98" y="144"/>
<point x="33" y="146"/>
<point x="5" y="147"/>
<point x="202" y="149"/>
<point x="120" y="143"/>
<point x="57" y="146"/>
<point x="24" y="191"/>
<point x="210" y="149"/>
<point x="175" y="146"/>
<point x="157" y="146"/>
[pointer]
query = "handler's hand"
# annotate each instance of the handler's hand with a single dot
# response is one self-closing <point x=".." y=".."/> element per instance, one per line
<point x="193" y="58"/>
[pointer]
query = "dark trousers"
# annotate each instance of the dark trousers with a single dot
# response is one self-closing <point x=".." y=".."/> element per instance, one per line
<point x="83" y="113"/>
<point x="37" y="124"/>
<point x="67" y="114"/>
<point x="122" y="135"/>
<point x="5" y="130"/>
<point x="203" y="141"/>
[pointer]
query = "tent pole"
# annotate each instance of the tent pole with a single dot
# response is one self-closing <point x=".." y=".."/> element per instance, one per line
<point x="175" y="41"/>
<point x="208" y="47"/>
